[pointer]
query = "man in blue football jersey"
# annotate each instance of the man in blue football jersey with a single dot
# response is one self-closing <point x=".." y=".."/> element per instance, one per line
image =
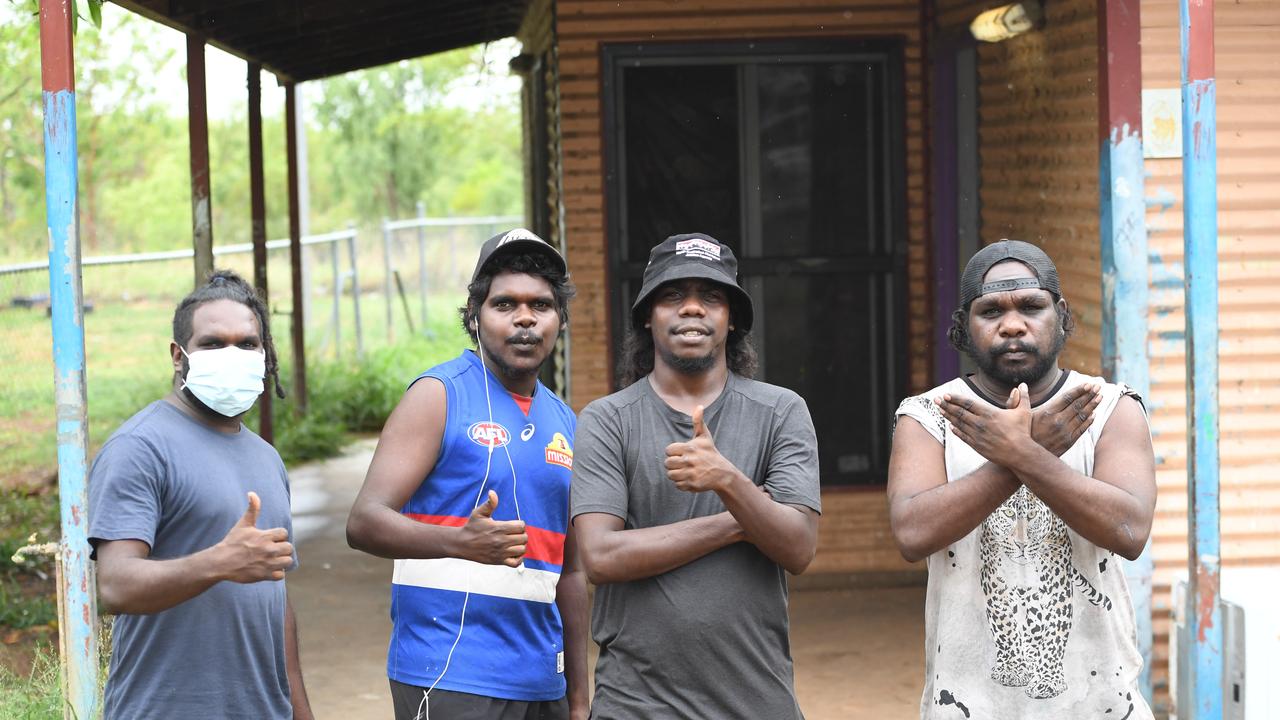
<point x="468" y="491"/>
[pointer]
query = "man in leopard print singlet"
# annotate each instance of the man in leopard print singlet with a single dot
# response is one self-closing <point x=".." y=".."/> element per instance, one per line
<point x="1019" y="484"/>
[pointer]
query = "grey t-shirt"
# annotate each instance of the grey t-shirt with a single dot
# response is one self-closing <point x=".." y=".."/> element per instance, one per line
<point x="179" y="486"/>
<point x="709" y="639"/>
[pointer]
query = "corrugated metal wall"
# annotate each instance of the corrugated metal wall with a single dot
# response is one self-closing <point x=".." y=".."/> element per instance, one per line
<point x="1038" y="147"/>
<point x="1247" y="40"/>
<point x="855" y="524"/>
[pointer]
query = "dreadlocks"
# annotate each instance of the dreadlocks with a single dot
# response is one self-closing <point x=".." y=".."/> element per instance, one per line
<point x="227" y="285"/>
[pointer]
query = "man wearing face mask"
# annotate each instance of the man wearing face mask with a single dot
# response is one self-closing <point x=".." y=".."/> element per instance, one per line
<point x="1020" y="484"/>
<point x="190" y="526"/>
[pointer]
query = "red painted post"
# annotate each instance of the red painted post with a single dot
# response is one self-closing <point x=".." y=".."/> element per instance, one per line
<point x="258" y="210"/>
<point x="1200" y="287"/>
<point x="198" y="132"/>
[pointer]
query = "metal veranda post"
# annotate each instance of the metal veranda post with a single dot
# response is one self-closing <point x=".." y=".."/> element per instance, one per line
<point x="258" y="212"/>
<point x="77" y="590"/>
<point x="198" y="135"/>
<point x="1200" y="272"/>
<point x="1124" y="248"/>
<point x="297" y="314"/>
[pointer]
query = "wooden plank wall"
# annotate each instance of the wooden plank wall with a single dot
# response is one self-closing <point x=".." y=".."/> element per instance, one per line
<point x="855" y="524"/>
<point x="1247" y="35"/>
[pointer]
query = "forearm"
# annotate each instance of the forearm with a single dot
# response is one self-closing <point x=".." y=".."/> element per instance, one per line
<point x="1102" y="513"/>
<point x="571" y="600"/>
<point x="142" y="586"/>
<point x="379" y="530"/>
<point x="931" y="520"/>
<point x="783" y="533"/>
<point x="293" y="666"/>
<point x="625" y="555"/>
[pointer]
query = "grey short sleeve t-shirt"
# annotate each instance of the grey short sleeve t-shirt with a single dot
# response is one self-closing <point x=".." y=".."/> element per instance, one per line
<point x="709" y="639"/>
<point x="179" y="486"/>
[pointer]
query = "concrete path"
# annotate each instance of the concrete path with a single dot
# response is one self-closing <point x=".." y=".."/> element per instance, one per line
<point x="858" y="653"/>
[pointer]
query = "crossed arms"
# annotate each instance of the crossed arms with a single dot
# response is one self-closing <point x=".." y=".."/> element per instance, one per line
<point x="786" y="534"/>
<point x="1112" y="509"/>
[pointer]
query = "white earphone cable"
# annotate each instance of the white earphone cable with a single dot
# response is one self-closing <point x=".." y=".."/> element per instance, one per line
<point x="424" y="709"/>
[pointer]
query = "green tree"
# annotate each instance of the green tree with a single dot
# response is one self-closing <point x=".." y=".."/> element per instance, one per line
<point x="395" y="141"/>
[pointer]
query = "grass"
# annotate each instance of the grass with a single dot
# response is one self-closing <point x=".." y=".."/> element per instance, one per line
<point x="34" y="696"/>
<point x="127" y="359"/>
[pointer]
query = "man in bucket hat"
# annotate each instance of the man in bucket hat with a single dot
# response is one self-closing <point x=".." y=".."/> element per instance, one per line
<point x="1020" y="484"/>
<point x="695" y="491"/>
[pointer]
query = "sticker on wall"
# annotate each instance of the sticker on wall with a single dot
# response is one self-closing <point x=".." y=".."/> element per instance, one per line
<point x="1162" y="123"/>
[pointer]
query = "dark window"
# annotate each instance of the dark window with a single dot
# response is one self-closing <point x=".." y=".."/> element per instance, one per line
<point x="791" y="153"/>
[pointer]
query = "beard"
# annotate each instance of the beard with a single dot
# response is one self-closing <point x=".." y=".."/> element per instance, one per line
<point x="687" y="365"/>
<point x="1041" y="362"/>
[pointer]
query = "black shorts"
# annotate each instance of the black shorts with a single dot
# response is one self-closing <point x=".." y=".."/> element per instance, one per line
<point x="446" y="705"/>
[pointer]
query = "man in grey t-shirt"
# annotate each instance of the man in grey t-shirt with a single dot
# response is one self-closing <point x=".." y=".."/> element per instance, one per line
<point x="695" y="489"/>
<point x="176" y="498"/>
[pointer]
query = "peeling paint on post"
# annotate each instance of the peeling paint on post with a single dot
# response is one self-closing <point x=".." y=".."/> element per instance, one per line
<point x="77" y="589"/>
<point x="1200" y="242"/>
<point x="1125" y="356"/>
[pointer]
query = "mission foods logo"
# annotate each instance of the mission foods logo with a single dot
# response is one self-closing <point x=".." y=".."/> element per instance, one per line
<point x="559" y="452"/>
<point x="488" y="434"/>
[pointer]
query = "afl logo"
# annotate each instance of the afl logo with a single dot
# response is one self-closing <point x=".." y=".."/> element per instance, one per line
<point x="488" y="434"/>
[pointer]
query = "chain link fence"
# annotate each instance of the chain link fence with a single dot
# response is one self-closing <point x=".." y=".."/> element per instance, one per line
<point x="363" y="288"/>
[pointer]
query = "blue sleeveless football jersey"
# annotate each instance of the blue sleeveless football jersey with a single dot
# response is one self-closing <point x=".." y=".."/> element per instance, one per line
<point x="512" y="640"/>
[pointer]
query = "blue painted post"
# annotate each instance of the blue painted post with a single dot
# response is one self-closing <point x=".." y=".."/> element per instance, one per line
<point x="1200" y="240"/>
<point x="77" y="594"/>
<point x="1124" y="248"/>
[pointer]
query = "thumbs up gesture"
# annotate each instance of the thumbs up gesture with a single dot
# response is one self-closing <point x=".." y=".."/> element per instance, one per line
<point x="248" y="554"/>
<point x="489" y="541"/>
<point x="696" y="465"/>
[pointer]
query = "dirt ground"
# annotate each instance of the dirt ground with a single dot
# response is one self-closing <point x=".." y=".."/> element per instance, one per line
<point x="858" y="652"/>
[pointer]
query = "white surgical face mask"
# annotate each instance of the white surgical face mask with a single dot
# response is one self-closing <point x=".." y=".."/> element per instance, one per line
<point x="227" y="380"/>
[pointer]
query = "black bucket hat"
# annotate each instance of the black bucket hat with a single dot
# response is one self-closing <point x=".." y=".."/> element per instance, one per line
<point x="694" y="255"/>
<point x="518" y="240"/>
<point x="971" y="285"/>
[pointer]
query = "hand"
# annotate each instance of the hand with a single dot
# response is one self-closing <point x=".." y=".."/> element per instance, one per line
<point x="1058" y="425"/>
<point x="697" y="466"/>
<point x="492" y="542"/>
<point x="252" y="555"/>
<point x="997" y="435"/>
